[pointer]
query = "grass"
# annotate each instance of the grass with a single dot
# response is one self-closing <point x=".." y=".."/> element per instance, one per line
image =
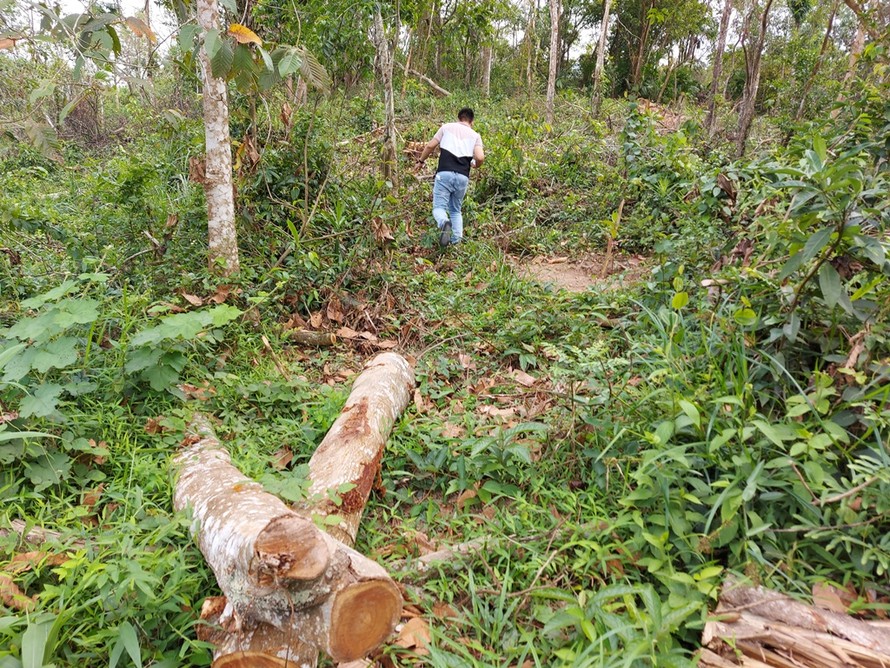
<point x="617" y="451"/>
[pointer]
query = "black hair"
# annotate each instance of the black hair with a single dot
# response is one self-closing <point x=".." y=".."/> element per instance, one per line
<point x="466" y="114"/>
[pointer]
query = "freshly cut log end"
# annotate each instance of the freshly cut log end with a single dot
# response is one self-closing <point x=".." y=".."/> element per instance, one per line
<point x="289" y="548"/>
<point x="362" y="617"/>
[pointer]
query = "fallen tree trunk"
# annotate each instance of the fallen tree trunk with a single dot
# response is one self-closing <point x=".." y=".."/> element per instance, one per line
<point x="756" y="627"/>
<point x="361" y="612"/>
<point x="275" y="566"/>
<point x="350" y="454"/>
<point x="437" y="89"/>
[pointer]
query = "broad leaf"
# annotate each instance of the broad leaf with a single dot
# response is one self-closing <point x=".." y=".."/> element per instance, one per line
<point x="221" y="62"/>
<point x="244" y="35"/>
<point x="830" y="283"/>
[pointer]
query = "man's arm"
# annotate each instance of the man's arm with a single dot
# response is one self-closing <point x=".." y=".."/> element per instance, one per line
<point x="478" y="155"/>
<point x="428" y="149"/>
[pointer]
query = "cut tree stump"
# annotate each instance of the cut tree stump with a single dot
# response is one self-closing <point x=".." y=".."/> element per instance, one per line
<point x="755" y="627"/>
<point x="292" y="590"/>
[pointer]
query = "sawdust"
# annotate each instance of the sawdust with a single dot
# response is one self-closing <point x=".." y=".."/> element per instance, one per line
<point x="580" y="274"/>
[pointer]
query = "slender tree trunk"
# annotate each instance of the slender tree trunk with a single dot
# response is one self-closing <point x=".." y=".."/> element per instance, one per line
<point x="532" y="40"/>
<point x="384" y="48"/>
<point x="718" y="65"/>
<point x="600" y="59"/>
<point x="222" y="237"/>
<point x="667" y="77"/>
<point x="753" y="57"/>
<point x="812" y="78"/>
<point x="637" y="72"/>
<point x="856" y="50"/>
<point x="487" y="56"/>
<point x="554" y="58"/>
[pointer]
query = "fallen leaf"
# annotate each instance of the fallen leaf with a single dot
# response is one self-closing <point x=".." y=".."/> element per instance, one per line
<point x="335" y="310"/>
<point x="418" y="401"/>
<point x="524" y="378"/>
<point x="194" y="300"/>
<point x="444" y="611"/>
<point x="91" y="498"/>
<point x="282" y="458"/>
<point x="829" y="597"/>
<point x="347" y="333"/>
<point x="8" y="417"/>
<point x="316" y="320"/>
<point x="194" y="392"/>
<point x="368" y="336"/>
<point x="495" y="412"/>
<point x="386" y="345"/>
<point x="466" y="495"/>
<point x="13" y="597"/>
<point x="453" y="430"/>
<point x="221" y="295"/>
<point x="423" y="543"/>
<point x="466" y="361"/>
<point x="153" y="425"/>
<point x="415" y="634"/>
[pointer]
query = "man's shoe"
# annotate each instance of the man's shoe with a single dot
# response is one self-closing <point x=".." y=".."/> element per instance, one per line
<point x="445" y="235"/>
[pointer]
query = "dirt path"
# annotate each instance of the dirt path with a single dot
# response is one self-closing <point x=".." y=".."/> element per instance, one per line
<point x="580" y="274"/>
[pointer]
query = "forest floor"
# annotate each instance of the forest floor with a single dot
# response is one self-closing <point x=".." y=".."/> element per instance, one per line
<point x="580" y="274"/>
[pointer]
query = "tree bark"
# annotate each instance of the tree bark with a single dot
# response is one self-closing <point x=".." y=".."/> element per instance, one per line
<point x="637" y="71"/>
<point x="753" y="57"/>
<point x="437" y="89"/>
<point x="222" y="255"/>
<point x="351" y="451"/>
<point x="822" y="51"/>
<point x="274" y="566"/>
<point x="384" y="49"/>
<point x="600" y="59"/>
<point x="718" y="65"/>
<point x="531" y="40"/>
<point x="554" y="58"/>
<point x="347" y="459"/>
<point x="487" y="57"/>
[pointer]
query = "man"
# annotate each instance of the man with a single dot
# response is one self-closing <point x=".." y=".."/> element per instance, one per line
<point x="460" y="147"/>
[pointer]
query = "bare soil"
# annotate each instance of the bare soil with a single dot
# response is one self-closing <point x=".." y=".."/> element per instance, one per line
<point x="580" y="274"/>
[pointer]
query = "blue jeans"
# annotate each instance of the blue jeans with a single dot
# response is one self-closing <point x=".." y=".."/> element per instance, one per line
<point x="449" y="190"/>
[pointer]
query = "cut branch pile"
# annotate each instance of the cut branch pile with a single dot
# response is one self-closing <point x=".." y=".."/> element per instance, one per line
<point x="290" y="589"/>
<point x="756" y="628"/>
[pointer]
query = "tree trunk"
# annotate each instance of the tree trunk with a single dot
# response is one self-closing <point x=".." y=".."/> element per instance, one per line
<point x="222" y="237"/>
<point x="718" y="65"/>
<point x="600" y="59"/>
<point x="531" y="39"/>
<point x="752" y="77"/>
<point x="384" y="49"/>
<point x="437" y="89"/>
<point x="822" y="51"/>
<point x="554" y="58"/>
<point x="637" y="71"/>
<point x="351" y="451"/>
<point x="345" y="624"/>
<point x="487" y="56"/>
<point x="276" y="567"/>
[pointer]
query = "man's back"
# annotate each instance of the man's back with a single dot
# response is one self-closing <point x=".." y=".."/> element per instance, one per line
<point x="457" y="141"/>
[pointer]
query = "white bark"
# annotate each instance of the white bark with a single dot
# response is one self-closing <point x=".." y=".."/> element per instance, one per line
<point x="600" y="58"/>
<point x="221" y="234"/>
<point x="753" y="56"/>
<point x="275" y="566"/>
<point x="487" y="57"/>
<point x="351" y="452"/>
<point x="554" y="58"/>
<point x="718" y="64"/>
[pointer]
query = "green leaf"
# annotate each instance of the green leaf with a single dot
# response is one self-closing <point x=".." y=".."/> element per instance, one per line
<point x="221" y="62"/>
<point x="48" y="469"/>
<point x="58" y="354"/>
<point x="186" y="37"/>
<point x="691" y="412"/>
<point x="115" y="40"/>
<point x="830" y="283"/>
<point x="267" y="59"/>
<point x="126" y="639"/>
<point x="212" y="42"/>
<point x="34" y="643"/>
<point x="778" y="434"/>
<point x="745" y="317"/>
<point x="816" y="243"/>
<point x="53" y="295"/>
<point x="45" y="89"/>
<point x="679" y="300"/>
<point x="42" y="403"/>
<point x="289" y="63"/>
<point x="8" y="353"/>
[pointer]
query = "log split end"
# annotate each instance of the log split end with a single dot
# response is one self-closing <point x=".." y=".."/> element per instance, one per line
<point x="251" y="659"/>
<point x="290" y="548"/>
